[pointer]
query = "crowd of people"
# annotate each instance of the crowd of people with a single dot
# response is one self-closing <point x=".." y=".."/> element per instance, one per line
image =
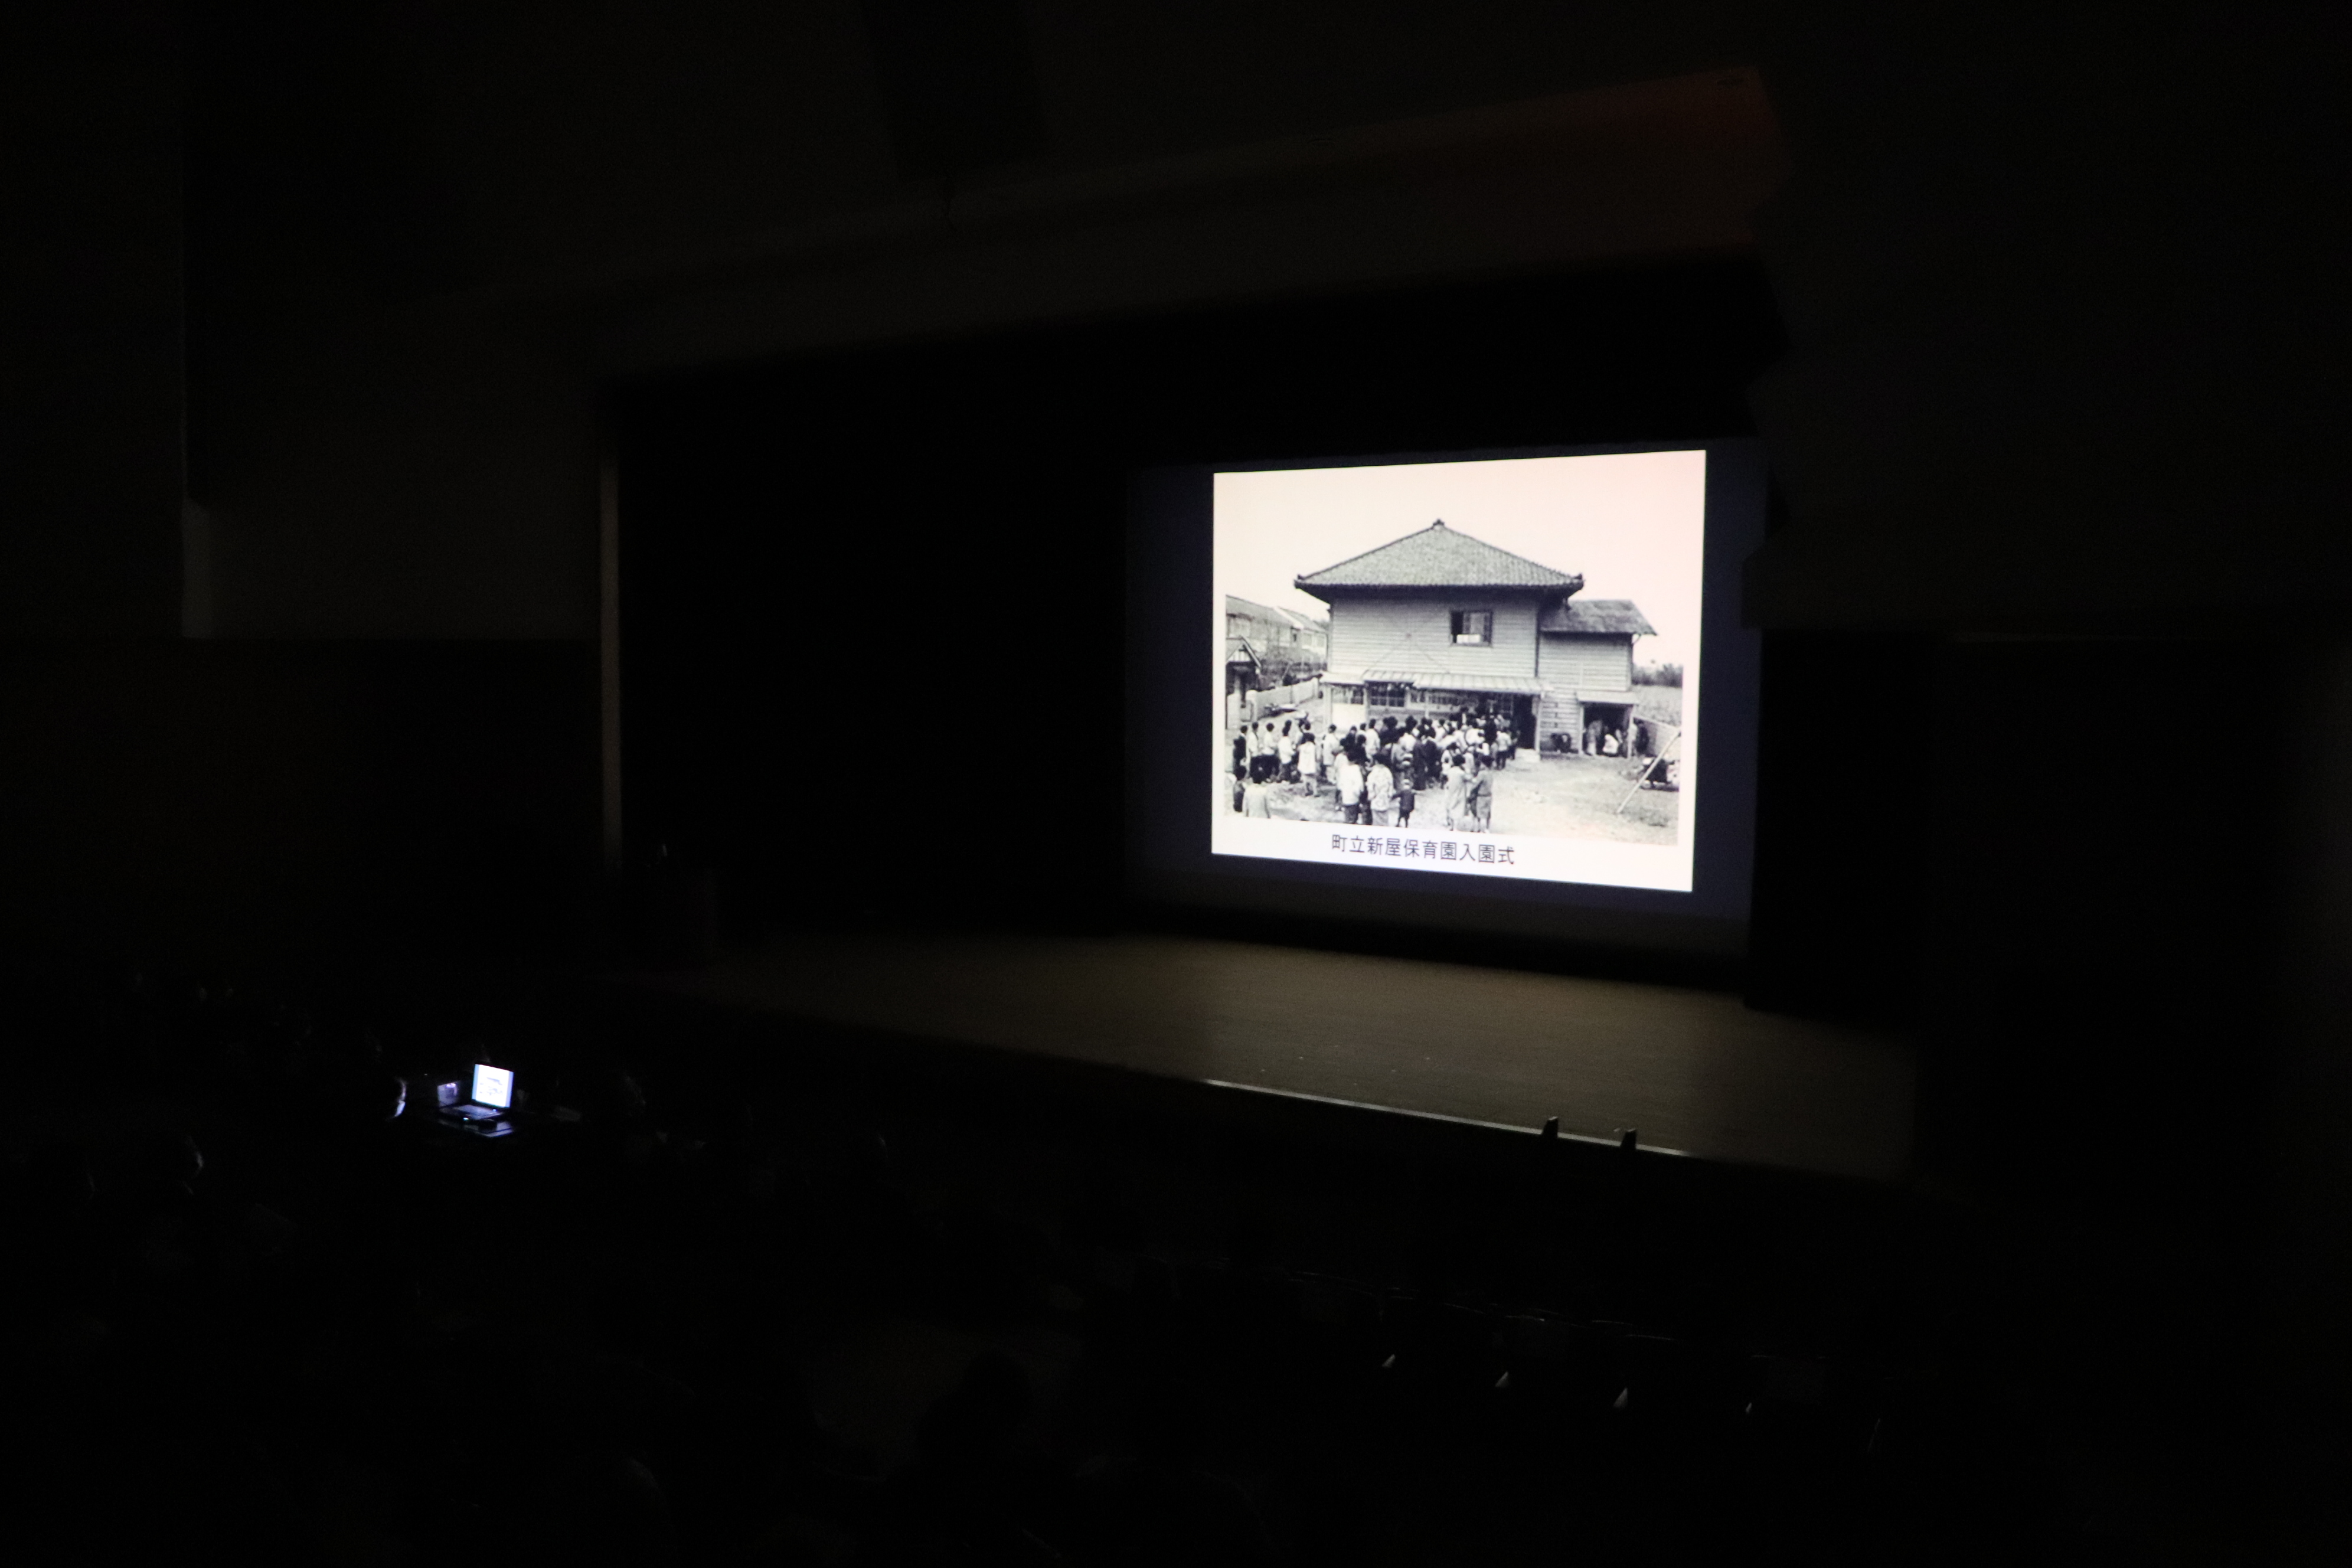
<point x="1376" y="773"/>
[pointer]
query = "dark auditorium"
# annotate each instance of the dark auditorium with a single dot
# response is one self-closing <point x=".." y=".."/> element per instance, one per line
<point x="655" y="908"/>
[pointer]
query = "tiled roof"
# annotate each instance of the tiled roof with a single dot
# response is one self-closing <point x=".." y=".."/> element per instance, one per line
<point x="1596" y="616"/>
<point x="1438" y="557"/>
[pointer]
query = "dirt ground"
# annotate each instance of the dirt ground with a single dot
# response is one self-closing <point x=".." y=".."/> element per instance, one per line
<point x="1577" y="797"/>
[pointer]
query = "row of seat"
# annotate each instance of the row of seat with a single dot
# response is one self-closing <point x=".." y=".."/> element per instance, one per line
<point x="785" y="1324"/>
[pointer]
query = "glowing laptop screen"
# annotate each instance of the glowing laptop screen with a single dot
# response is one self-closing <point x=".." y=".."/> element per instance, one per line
<point x="493" y="1087"/>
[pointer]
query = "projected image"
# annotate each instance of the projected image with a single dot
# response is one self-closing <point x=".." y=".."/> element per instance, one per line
<point x="1472" y="669"/>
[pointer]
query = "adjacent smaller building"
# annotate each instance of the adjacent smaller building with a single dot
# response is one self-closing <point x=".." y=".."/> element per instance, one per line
<point x="1278" y="635"/>
<point x="1438" y="622"/>
<point x="1267" y="647"/>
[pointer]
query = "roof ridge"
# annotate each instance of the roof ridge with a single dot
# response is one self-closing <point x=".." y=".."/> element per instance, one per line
<point x="1571" y="581"/>
<point x="1500" y="551"/>
<point x="1399" y="539"/>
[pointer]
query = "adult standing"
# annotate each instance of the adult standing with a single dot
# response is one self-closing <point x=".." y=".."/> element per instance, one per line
<point x="1260" y="786"/>
<point x="1425" y="760"/>
<point x="1350" y="777"/>
<point x="1457" y="790"/>
<point x="1311" y="764"/>
<point x="1380" y="792"/>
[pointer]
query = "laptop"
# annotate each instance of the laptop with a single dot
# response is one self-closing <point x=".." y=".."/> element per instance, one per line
<point x="492" y="1097"/>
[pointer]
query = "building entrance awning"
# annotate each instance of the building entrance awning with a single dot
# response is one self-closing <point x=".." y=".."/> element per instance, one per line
<point x="1460" y="681"/>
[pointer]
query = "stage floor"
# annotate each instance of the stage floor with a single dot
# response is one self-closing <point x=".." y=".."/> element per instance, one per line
<point x="1695" y="1072"/>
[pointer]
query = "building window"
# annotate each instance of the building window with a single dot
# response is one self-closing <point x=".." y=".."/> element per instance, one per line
<point x="1386" y="694"/>
<point x="1474" y="628"/>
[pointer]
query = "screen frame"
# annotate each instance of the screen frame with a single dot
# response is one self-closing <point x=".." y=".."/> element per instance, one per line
<point x="1169" y="868"/>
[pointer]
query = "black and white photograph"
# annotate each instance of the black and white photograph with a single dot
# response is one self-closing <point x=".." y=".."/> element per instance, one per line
<point x="1485" y="667"/>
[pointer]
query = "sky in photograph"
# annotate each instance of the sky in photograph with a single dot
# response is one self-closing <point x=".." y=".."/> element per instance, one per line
<point x="1633" y="523"/>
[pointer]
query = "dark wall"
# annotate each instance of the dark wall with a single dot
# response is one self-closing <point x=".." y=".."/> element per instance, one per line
<point x="1847" y="795"/>
<point x="90" y="391"/>
<point x="2066" y="334"/>
<point x="2065" y="352"/>
<point x="872" y="616"/>
<point x="339" y="278"/>
<point x="260" y="804"/>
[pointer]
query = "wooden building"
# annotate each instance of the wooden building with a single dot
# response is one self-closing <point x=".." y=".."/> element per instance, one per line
<point x="1438" y="622"/>
<point x="1282" y="637"/>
